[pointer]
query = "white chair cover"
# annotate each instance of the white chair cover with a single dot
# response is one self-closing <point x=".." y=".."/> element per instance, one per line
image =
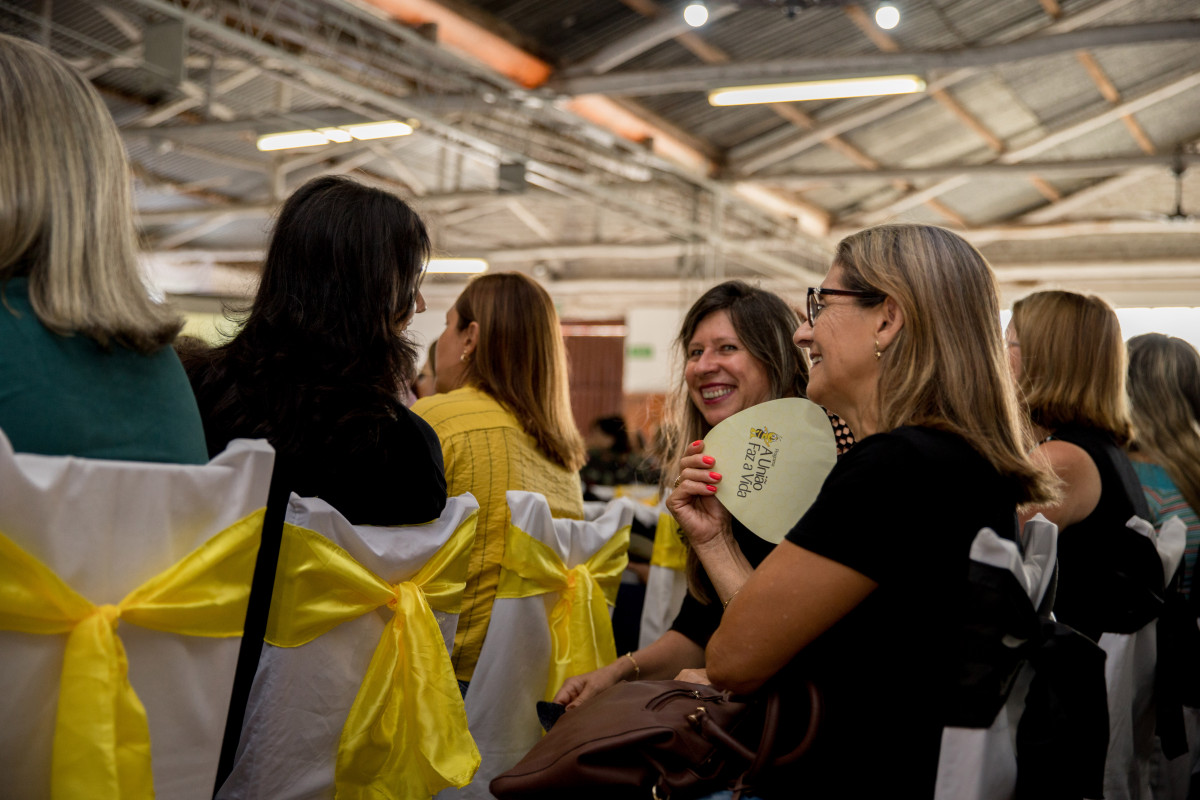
<point x="1129" y="674"/>
<point x="981" y="763"/>
<point x="105" y="528"/>
<point x="667" y="585"/>
<point x="514" y="663"/>
<point x="301" y="696"/>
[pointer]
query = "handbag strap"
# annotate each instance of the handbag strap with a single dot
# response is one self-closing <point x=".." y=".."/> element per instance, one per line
<point x="766" y="744"/>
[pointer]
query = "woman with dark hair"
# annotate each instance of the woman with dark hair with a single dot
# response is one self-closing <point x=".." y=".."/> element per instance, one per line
<point x="736" y="342"/>
<point x="318" y="367"/>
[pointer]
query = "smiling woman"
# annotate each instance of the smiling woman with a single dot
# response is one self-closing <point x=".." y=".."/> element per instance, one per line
<point x="721" y="374"/>
<point x="905" y="345"/>
<point x="738" y="352"/>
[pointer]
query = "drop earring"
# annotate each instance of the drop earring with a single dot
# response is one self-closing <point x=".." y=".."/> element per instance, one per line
<point x="878" y="353"/>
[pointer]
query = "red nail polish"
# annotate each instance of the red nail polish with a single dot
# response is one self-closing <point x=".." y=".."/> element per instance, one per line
<point x="711" y="488"/>
<point x="716" y="476"/>
<point x="697" y="443"/>
<point x="708" y="461"/>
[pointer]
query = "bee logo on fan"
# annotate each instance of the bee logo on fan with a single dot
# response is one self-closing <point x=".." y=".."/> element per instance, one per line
<point x="764" y="434"/>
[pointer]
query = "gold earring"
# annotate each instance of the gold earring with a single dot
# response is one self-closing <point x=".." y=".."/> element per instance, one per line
<point x="463" y="358"/>
<point x="878" y="354"/>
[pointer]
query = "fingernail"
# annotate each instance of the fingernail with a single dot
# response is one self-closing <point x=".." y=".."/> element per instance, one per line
<point x="708" y="461"/>
<point x="710" y="487"/>
<point x="697" y="443"/>
<point x="716" y="476"/>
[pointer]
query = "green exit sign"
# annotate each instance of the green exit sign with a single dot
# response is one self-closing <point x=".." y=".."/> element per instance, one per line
<point x="643" y="352"/>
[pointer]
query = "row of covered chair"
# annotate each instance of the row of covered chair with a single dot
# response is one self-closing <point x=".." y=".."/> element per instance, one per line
<point x="353" y="694"/>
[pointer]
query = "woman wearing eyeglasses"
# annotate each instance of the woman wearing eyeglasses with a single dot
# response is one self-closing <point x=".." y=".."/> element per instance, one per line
<point x="737" y="350"/>
<point x="904" y="342"/>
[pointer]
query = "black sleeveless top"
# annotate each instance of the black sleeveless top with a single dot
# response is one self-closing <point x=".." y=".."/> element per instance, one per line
<point x="1110" y="576"/>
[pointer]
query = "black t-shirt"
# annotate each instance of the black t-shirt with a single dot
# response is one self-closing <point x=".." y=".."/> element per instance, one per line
<point x="1109" y="577"/>
<point x="901" y="508"/>
<point x="374" y="472"/>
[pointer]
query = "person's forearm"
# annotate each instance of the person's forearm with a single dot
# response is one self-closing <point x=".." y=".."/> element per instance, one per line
<point x="663" y="658"/>
<point x="726" y="566"/>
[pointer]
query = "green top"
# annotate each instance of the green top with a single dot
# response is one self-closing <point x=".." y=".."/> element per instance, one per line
<point x="66" y="395"/>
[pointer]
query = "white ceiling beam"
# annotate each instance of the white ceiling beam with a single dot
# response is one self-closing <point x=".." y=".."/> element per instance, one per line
<point x="196" y="231"/>
<point x="195" y="97"/>
<point x="320" y="78"/>
<point x="771" y="148"/>
<point x="1069" y="167"/>
<point x="1071" y="132"/>
<point x="715" y="76"/>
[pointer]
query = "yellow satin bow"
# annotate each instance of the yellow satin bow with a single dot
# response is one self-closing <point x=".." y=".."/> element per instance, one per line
<point x="406" y="735"/>
<point x="669" y="550"/>
<point x="580" y="627"/>
<point x="101" y="736"/>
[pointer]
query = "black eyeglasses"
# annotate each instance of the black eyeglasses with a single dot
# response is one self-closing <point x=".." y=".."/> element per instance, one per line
<point x="815" y="306"/>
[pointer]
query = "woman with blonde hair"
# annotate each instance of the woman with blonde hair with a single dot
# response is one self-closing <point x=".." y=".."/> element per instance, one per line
<point x="503" y="415"/>
<point x="904" y="343"/>
<point x="85" y="366"/>
<point x="1068" y="360"/>
<point x="1164" y="399"/>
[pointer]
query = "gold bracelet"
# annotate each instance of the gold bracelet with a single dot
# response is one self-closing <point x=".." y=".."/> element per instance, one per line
<point x="637" y="671"/>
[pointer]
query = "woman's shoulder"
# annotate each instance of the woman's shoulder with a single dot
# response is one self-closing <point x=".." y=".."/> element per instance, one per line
<point x="462" y="410"/>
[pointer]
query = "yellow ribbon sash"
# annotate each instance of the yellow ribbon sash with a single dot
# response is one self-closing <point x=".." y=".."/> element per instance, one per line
<point x="406" y="735"/>
<point x="580" y="628"/>
<point x="669" y="550"/>
<point x="101" y="736"/>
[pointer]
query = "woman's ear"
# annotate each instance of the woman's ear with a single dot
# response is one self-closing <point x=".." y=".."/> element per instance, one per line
<point x="470" y="337"/>
<point x="890" y="321"/>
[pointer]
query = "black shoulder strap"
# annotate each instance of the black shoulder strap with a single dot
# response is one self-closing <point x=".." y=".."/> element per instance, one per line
<point x="257" y="610"/>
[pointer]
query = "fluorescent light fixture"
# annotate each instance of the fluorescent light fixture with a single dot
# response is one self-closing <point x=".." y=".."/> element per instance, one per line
<point x="696" y="13"/>
<point x="291" y="139"/>
<point x="887" y="16"/>
<point x="378" y="130"/>
<point x="457" y="266"/>
<point x="336" y="134"/>
<point x="816" y="90"/>
<point x="344" y="133"/>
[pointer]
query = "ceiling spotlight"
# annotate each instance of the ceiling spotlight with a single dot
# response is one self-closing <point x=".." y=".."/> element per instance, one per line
<point x="696" y="13"/>
<point x="887" y="16"/>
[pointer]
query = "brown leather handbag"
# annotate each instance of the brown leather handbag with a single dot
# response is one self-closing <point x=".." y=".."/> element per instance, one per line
<point x="662" y="739"/>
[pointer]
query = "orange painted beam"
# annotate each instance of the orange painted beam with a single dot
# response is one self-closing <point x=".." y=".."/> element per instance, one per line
<point x="470" y="39"/>
<point x="604" y="112"/>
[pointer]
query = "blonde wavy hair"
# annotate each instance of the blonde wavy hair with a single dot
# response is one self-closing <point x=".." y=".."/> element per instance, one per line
<point x="947" y="368"/>
<point x="1072" y="362"/>
<point x="66" y="218"/>
<point x="521" y="361"/>
<point x="1164" y="398"/>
